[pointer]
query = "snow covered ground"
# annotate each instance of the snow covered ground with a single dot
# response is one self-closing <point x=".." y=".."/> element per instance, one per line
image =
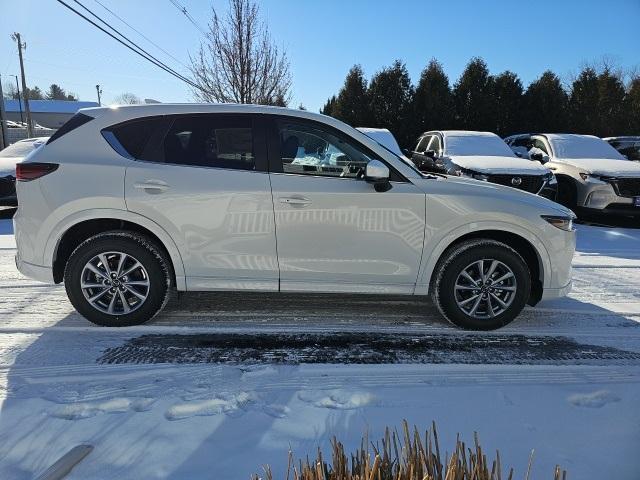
<point x="220" y="384"/>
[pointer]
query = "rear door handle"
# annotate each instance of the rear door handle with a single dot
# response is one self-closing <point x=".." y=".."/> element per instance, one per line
<point x="297" y="201"/>
<point x="157" y="185"/>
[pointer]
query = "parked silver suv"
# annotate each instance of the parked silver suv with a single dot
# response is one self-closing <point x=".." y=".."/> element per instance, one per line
<point x="592" y="175"/>
<point x="126" y="204"/>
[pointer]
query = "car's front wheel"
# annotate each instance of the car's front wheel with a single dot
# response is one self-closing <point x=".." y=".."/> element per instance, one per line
<point x="481" y="285"/>
<point x="118" y="279"/>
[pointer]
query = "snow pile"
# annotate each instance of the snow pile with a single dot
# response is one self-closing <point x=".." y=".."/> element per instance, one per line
<point x="227" y="404"/>
<point x="337" y="399"/>
<point x="593" y="400"/>
<point x="78" y="411"/>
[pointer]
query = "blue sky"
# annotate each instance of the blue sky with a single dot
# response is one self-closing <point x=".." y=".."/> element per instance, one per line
<point x="323" y="39"/>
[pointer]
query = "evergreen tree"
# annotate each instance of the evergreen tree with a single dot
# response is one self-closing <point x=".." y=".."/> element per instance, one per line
<point x="390" y="94"/>
<point x="34" y="93"/>
<point x="583" y="103"/>
<point x="545" y="105"/>
<point x="432" y="102"/>
<point x="473" y="97"/>
<point x="329" y="107"/>
<point x="611" y="111"/>
<point x="632" y="107"/>
<point x="508" y="92"/>
<point x="352" y="104"/>
<point x="56" y="92"/>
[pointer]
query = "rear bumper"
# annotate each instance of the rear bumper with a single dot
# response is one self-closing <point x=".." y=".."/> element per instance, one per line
<point x="36" y="272"/>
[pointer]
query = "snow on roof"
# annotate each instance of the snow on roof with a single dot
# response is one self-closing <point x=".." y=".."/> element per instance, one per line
<point x="48" y="106"/>
<point x="384" y="137"/>
<point x="465" y="143"/>
<point x="571" y="145"/>
<point x="466" y="133"/>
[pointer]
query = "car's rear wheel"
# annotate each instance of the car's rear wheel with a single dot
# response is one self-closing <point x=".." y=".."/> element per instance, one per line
<point x="481" y="285"/>
<point x="118" y="279"/>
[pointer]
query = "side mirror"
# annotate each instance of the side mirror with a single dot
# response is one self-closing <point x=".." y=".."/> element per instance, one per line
<point x="430" y="153"/>
<point x="539" y="157"/>
<point x="406" y="152"/>
<point x="377" y="173"/>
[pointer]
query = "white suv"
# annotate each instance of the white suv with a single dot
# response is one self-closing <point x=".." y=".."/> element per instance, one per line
<point x="126" y="204"/>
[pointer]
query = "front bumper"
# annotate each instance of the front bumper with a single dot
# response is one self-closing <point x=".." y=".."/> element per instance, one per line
<point x="604" y="198"/>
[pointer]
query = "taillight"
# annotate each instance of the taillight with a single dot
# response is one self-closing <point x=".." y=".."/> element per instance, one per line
<point x="26" y="172"/>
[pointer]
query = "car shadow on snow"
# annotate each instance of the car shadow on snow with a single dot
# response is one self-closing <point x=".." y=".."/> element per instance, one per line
<point x="176" y="384"/>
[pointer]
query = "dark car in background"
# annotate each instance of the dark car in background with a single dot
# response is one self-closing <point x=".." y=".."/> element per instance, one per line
<point x="629" y="146"/>
<point x="9" y="157"/>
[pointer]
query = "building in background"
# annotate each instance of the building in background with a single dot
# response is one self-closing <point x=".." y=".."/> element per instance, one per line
<point x="48" y="113"/>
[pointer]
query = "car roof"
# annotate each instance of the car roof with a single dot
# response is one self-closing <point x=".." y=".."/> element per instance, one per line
<point x="135" y="111"/>
<point x="632" y="138"/>
<point x="461" y="133"/>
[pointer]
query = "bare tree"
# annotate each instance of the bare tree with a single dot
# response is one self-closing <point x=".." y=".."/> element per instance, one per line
<point x="127" y="98"/>
<point x="238" y="62"/>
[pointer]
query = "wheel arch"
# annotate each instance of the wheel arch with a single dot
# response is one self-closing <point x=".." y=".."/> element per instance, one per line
<point x="69" y="234"/>
<point x="526" y="244"/>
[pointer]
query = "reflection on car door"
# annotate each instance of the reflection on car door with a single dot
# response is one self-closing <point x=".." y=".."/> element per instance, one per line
<point x="205" y="182"/>
<point x="335" y="233"/>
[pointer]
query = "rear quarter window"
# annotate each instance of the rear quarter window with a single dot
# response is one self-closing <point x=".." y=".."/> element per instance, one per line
<point x="74" y="122"/>
<point x="133" y="136"/>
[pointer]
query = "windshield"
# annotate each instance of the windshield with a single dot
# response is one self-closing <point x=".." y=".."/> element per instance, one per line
<point x="18" y="149"/>
<point x="472" y="145"/>
<point x="582" y="146"/>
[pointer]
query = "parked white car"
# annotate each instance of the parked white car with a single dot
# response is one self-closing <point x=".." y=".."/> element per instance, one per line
<point x="483" y="156"/>
<point x="9" y="158"/>
<point x="593" y="176"/>
<point x="124" y="204"/>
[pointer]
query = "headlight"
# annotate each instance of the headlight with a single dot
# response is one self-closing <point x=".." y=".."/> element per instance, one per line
<point x="563" y="223"/>
<point x="587" y="177"/>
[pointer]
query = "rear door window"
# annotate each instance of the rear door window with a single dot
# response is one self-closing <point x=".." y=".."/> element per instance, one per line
<point x="218" y="141"/>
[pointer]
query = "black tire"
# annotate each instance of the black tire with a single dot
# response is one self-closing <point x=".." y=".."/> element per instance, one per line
<point x="460" y="256"/>
<point x="141" y="248"/>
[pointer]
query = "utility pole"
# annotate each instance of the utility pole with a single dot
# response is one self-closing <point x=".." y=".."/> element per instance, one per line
<point x="19" y="97"/>
<point x="16" y="37"/>
<point x="3" y="119"/>
<point x="99" y="90"/>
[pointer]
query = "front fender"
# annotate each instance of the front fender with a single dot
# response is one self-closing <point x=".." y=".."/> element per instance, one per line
<point x="442" y="242"/>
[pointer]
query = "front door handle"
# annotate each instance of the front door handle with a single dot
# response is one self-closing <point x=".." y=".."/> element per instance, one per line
<point x="295" y="201"/>
<point x="152" y="186"/>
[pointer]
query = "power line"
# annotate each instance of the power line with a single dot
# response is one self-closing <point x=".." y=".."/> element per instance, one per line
<point x="139" y="48"/>
<point x="130" y="45"/>
<point x="184" y="11"/>
<point x="139" y="32"/>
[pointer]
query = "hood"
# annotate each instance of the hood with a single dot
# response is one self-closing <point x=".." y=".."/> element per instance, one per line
<point x="8" y="166"/>
<point x="499" y="165"/>
<point x="508" y="195"/>
<point x="603" y="166"/>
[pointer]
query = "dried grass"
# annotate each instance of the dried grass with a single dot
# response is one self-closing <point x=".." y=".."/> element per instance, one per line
<point x="402" y="456"/>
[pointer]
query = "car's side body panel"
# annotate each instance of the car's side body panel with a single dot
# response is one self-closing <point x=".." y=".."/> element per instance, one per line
<point x="348" y="237"/>
<point x="222" y="221"/>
